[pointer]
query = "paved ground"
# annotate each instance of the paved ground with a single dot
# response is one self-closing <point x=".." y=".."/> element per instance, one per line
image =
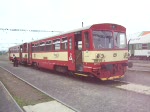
<point x="137" y="77"/>
<point x="140" y="65"/>
<point x="84" y="95"/>
<point x="7" y="104"/>
<point x="140" y="61"/>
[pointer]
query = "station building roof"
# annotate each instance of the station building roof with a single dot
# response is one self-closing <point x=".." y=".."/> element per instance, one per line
<point x="144" y="33"/>
<point x="141" y="39"/>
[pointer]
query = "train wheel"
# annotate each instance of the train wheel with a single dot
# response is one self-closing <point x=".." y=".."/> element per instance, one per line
<point x="35" y="65"/>
<point x="61" y="69"/>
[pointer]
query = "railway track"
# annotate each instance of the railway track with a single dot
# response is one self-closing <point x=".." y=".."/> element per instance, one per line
<point x="7" y="99"/>
<point x="72" y="108"/>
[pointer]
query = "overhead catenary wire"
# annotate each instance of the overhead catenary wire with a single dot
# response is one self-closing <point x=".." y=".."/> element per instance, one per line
<point x="24" y="30"/>
<point x="29" y="30"/>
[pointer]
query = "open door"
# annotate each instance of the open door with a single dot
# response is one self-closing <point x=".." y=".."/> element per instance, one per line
<point x="78" y="51"/>
<point x="75" y="52"/>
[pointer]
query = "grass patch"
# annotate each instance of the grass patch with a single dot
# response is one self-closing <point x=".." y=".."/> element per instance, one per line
<point x="20" y="101"/>
<point x="22" y="93"/>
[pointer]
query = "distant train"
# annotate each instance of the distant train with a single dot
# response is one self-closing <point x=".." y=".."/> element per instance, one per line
<point x="139" y="48"/>
<point x="98" y="50"/>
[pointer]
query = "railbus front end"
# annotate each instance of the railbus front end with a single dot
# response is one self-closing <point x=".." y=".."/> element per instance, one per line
<point x="105" y="53"/>
<point x="15" y="50"/>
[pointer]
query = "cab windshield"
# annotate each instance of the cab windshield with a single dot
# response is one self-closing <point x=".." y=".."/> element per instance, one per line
<point x="109" y="40"/>
<point x="120" y="40"/>
<point x="103" y="40"/>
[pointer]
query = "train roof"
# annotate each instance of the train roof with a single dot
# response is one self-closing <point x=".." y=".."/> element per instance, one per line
<point x="141" y="39"/>
<point x="15" y="46"/>
<point x="75" y="30"/>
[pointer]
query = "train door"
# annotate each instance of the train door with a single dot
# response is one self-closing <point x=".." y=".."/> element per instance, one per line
<point x="20" y="53"/>
<point x="71" y="53"/>
<point x="86" y="45"/>
<point x="29" y="61"/>
<point x="78" y="51"/>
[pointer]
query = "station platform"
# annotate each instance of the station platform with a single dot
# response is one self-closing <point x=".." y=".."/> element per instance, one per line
<point x="7" y="103"/>
<point x="139" y="65"/>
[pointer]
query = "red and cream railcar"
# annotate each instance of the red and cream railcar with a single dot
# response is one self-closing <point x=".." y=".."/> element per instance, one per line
<point x="15" y="50"/>
<point x="98" y="50"/>
<point x="20" y="51"/>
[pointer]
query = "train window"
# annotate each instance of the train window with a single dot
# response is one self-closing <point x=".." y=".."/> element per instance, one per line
<point x="70" y="43"/>
<point x="78" y="41"/>
<point x="140" y="46"/>
<point x="33" y="48"/>
<point x="48" y="45"/>
<point x="144" y="46"/>
<point x="79" y="45"/>
<point x="64" y="44"/>
<point x="18" y="50"/>
<point x="120" y="40"/>
<point x="15" y="50"/>
<point x="56" y="44"/>
<point x="42" y="46"/>
<point x="133" y="46"/>
<point x="21" y="50"/>
<point x="103" y="40"/>
<point x="24" y="49"/>
<point x="136" y="46"/>
<point x="148" y="45"/>
<point x="36" y="48"/>
<point x="130" y="46"/>
<point x="86" y="40"/>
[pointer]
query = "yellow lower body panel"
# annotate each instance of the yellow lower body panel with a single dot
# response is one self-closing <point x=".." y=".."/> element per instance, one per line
<point x="81" y="74"/>
<point x="112" y="78"/>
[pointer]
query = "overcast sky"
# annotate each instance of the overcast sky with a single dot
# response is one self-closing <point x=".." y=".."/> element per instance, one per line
<point x="64" y="15"/>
